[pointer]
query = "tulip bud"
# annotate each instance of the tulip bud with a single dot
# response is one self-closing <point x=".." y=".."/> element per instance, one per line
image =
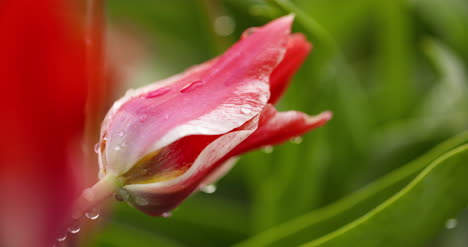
<point x="160" y="143"/>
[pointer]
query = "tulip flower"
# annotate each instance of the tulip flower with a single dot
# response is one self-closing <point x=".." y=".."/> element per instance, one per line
<point x="162" y="142"/>
<point x="43" y="73"/>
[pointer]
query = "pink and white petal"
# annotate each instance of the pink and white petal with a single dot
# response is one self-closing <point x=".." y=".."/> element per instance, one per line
<point x="297" y="50"/>
<point x="157" y="198"/>
<point x="277" y="127"/>
<point x="227" y="93"/>
<point x="222" y="169"/>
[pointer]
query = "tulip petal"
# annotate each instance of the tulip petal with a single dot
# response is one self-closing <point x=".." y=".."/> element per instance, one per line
<point x="214" y="100"/>
<point x="160" y="197"/>
<point x="297" y="50"/>
<point x="277" y="127"/>
<point x="221" y="170"/>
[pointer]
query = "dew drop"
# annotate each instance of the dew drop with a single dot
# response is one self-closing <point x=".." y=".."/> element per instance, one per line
<point x="297" y="140"/>
<point x="62" y="237"/>
<point x="208" y="189"/>
<point x="117" y="148"/>
<point x="92" y="214"/>
<point x="268" y="149"/>
<point x="141" y="201"/>
<point x="248" y="32"/>
<point x="166" y="116"/>
<point x="246" y="109"/>
<point x="191" y="86"/>
<point x="121" y="133"/>
<point x="96" y="147"/>
<point x="118" y="197"/>
<point x="74" y="227"/>
<point x="451" y="223"/>
<point x="123" y="194"/>
<point x="157" y="92"/>
<point x="166" y="214"/>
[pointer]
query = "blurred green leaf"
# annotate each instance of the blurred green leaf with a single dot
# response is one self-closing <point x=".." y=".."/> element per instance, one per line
<point x="326" y="220"/>
<point x="124" y="235"/>
<point x="413" y="215"/>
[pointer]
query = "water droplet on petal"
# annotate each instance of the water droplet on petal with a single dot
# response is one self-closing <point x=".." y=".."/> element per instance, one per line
<point x="96" y="147"/>
<point x="208" y="189"/>
<point x="121" y="195"/>
<point x="92" y="214"/>
<point x="166" y="214"/>
<point x="166" y="116"/>
<point x="451" y="223"/>
<point x="141" y="201"/>
<point x="74" y="227"/>
<point x="118" y="197"/>
<point x="62" y="237"/>
<point x="117" y="148"/>
<point x="248" y="32"/>
<point x="191" y="86"/>
<point x="268" y="149"/>
<point x="121" y="133"/>
<point x="246" y="109"/>
<point x="297" y="140"/>
<point x="157" y="92"/>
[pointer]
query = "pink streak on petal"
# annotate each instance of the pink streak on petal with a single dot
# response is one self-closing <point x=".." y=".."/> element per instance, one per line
<point x="297" y="50"/>
<point x="235" y="88"/>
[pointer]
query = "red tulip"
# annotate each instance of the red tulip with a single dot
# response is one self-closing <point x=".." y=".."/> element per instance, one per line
<point x="162" y="142"/>
<point x="43" y="82"/>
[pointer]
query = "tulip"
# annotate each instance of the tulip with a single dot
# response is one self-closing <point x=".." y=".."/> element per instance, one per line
<point x="162" y="142"/>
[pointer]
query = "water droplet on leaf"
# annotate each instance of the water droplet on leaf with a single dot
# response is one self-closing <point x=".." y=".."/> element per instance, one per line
<point x="191" y="86"/>
<point x="92" y="214"/>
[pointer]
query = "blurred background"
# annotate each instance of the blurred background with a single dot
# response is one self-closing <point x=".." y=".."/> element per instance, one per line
<point x="394" y="73"/>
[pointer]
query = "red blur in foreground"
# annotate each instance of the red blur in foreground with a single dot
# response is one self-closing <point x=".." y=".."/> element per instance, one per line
<point x="162" y="142"/>
<point x="42" y="105"/>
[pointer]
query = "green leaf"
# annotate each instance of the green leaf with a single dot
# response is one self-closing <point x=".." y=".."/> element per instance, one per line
<point x="328" y="219"/>
<point x="414" y="214"/>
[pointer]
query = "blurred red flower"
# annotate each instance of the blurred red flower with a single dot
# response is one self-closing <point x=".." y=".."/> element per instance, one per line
<point x="42" y="102"/>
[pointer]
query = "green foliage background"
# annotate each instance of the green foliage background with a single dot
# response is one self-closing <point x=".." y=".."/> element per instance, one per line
<point x="395" y="75"/>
